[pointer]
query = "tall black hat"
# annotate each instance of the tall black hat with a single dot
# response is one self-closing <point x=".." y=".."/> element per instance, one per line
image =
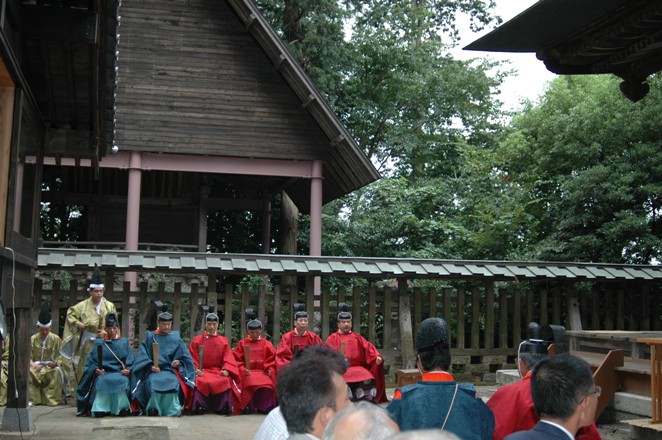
<point x="252" y="323"/>
<point x="96" y="282"/>
<point x="432" y="332"/>
<point x="44" y="320"/>
<point x="344" y="311"/>
<point x="112" y="319"/>
<point x="153" y="310"/>
<point x="300" y="311"/>
<point x="536" y="343"/>
<point x="165" y="317"/>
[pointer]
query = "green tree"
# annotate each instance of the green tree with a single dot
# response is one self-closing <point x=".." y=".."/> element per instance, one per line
<point x="589" y="166"/>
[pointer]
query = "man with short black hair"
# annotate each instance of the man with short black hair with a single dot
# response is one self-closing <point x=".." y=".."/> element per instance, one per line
<point x="564" y="395"/>
<point x="311" y="391"/>
<point x="512" y="404"/>
<point x="297" y="339"/>
<point x="437" y="401"/>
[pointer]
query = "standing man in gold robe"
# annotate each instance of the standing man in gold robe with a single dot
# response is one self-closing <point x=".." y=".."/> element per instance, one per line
<point x="85" y="323"/>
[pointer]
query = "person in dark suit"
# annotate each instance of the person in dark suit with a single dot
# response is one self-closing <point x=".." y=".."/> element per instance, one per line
<point x="564" y="395"/>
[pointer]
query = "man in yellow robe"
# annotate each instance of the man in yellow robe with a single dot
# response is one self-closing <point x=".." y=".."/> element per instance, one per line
<point x="85" y="323"/>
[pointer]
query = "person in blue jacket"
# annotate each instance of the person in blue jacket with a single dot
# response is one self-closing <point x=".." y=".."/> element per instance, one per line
<point x="437" y="401"/>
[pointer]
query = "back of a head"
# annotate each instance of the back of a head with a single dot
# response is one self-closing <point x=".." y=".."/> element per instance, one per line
<point x="433" y="344"/>
<point x="324" y="354"/>
<point x="361" y="421"/>
<point x="558" y="384"/>
<point x="304" y="387"/>
<point x="425" y="434"/>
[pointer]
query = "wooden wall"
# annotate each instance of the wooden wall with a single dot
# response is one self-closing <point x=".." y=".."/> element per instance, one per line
<point x="191" y="79"/>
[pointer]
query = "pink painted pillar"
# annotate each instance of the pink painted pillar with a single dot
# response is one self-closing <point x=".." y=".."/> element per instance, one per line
<point x="316" y="216"/>
<point x="133" y="209"/>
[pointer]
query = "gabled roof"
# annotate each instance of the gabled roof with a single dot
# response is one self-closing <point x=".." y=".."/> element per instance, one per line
<point x="212" y="78"/>
<point x="348" y="166"/>
<point x="623" y="37"/>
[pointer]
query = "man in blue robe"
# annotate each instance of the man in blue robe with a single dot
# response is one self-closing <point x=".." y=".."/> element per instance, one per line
<point x="162" y="386"/>
<point x="104" y="387"/>
<point x="438" y="401"/>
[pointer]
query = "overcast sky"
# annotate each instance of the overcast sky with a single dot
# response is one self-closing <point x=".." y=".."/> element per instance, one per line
<point x="531" y="74"/>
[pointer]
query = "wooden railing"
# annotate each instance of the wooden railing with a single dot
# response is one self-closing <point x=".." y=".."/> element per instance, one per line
<point x="487" y="320"/>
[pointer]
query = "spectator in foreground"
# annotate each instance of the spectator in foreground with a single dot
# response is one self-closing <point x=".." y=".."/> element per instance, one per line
<point x="361" y="421"/>
<point x="512" y="404"/>
<point x="564" y="395"/>
<point x="311" y="391"/>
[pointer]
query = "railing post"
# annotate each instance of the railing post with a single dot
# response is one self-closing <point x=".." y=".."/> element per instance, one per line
<point x="405" y="324"/>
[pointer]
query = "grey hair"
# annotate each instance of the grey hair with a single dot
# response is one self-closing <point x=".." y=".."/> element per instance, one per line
<point x="425" y="434"/>
<point x="369" y="421"/>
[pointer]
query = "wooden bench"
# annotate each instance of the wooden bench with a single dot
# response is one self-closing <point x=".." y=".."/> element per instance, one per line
<point x="615" y="372"/>
<point x="407" y="376"/>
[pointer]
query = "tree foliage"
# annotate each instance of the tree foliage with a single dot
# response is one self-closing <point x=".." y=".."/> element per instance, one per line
<point x="589" y="166"/>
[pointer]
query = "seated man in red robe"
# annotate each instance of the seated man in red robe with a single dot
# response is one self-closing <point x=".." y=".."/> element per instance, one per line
<point x="296" y="339"/>
<point x="216" y="370"/>
<point x="257" y="368"/>
<point x="365" y="375"/>
<point x="512" y="405"/>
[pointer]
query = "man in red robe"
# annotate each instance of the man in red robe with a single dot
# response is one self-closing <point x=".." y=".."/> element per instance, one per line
<point x="216" y="370"/>
<point x="257" y="368"/>
<point x="296" y="339"/>
<point x="365" y="375"/>
<point x="512" y="405"/>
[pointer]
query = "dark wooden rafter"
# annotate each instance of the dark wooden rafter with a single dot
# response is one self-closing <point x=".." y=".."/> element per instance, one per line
<point x="71" y="95"/>
<point x="45" y="56"/>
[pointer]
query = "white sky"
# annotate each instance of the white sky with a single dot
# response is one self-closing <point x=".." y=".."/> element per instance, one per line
<point x="531" y="76"/>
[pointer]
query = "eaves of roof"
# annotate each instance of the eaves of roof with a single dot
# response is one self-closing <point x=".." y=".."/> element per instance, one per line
<point x="267" y="264"/>
<point x="348" y="168"/>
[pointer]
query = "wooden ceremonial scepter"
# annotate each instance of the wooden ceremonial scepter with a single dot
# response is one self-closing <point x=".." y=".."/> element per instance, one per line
<point x="201" y="356"/>
<point x="247" y="357"/>
<point x="342" y="348"/>
<point x="295" y="350"/>
<point x="100" y="326"/>
<point x="155" y="353"/>
<point x="100" y="356"/>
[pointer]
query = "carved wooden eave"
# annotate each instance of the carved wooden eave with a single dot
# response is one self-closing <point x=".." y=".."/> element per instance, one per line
<point x="620" y="37"/>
